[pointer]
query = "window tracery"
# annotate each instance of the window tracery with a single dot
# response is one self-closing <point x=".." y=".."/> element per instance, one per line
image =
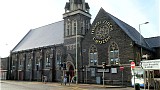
<point x="114" y="54"/>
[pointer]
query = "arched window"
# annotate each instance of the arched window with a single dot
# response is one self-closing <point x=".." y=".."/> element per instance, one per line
<point x="38" y="59"/>
<point x="93" y="56"/>
<point x="47" y="59"/>
<point x="68" y="26"/>
<point x="74" y="27"/>
<point x="82" y="27"/>
<point x="29" y="61"/>
<point x="21" y="60"/>
<point x="114" y="54"/>
<point x="58" y="58"/>
<point x="14" y="61"/>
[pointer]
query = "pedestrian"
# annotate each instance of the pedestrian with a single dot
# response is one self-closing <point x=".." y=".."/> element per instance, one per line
<point x="61" y="80"/>
<point x="45" y="79"/>
<point x="65" y="79"/>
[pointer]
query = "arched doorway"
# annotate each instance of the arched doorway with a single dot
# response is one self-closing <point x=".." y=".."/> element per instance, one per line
<point x="70" y="72"/>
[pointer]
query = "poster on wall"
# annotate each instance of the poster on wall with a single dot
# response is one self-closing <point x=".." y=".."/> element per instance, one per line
<point x="113" y="70"/>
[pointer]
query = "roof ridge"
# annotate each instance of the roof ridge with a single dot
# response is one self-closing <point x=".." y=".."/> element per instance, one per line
<point x="153" y="37"/>
<point x="47" y="25"/>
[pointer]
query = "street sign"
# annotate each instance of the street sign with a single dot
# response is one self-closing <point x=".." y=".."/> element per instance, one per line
<point x="132" y="65"/>
<point x="121" y="68"/>
<point x="151" y="64"/>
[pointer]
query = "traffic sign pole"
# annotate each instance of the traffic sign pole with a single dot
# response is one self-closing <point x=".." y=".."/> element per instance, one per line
<point x="122" y="68"/>
<point x="132" y="68"/>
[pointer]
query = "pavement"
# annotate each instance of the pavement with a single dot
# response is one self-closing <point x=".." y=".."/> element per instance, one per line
<point x="72" y="85"/>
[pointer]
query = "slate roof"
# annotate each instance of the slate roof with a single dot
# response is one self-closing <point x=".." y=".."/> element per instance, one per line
<point x="153" y="41"/>
<point x="129" y="30"/>
<point x="51" y="34"/>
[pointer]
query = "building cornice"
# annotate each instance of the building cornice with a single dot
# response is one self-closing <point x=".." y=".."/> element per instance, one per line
<point x="77" y="12"/>
<point x="78" y="36"/>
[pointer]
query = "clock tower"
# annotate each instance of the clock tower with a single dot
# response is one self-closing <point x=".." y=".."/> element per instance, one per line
<point x="76" y="22"/>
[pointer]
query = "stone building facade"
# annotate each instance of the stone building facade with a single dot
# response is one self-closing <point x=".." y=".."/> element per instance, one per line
<point x="4" y="64"/>
<point x="77" y="48"/>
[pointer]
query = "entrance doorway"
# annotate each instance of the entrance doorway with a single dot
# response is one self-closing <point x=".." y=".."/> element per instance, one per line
<point x="70" y="72"/>
<point x="20" y="76"/>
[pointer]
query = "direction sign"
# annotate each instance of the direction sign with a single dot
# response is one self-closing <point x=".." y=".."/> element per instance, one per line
<point x="132" y="65"/>
<point x="151" y="64"/>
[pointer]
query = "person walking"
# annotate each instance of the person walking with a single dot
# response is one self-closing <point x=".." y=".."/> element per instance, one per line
<point x="45" y="79"/>
<point x="65" y="79"/>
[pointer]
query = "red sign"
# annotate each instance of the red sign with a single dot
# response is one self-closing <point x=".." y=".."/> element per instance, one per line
<point x="121" y="68"/>
<point x="132" y="65"/>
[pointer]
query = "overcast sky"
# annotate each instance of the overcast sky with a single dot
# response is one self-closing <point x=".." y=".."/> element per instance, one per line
<point x="17" y="17"/>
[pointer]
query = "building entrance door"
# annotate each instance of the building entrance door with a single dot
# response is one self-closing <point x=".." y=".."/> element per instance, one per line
<point x="20" y="76"/>
<point x="70" y="73"/>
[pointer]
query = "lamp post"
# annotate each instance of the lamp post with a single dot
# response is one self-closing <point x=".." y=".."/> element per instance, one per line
<point x="141" y="37"/>
<point x="76" y="61"/>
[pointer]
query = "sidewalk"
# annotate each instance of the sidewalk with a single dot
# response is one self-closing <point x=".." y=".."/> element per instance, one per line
<point x="67" y="85"/>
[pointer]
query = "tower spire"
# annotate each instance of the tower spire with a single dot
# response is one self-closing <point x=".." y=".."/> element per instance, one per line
<point x="73" y="5"/>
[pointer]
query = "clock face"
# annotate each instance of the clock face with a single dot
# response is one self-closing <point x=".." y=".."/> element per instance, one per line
<point x="101" y="31"/>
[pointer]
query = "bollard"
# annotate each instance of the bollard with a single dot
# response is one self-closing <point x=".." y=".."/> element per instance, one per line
<point x="137" y="86"/>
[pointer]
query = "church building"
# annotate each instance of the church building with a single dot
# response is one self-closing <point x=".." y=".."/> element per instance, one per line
<point x="77" y="48"/>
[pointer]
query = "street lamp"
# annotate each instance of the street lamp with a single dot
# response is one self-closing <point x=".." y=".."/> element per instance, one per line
<point x="76" y="60"/>
<point x="141" y="37"/>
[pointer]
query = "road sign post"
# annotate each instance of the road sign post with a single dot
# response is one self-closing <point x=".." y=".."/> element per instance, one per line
<point x="122" y="68"/>
<point x="132" y="68"/>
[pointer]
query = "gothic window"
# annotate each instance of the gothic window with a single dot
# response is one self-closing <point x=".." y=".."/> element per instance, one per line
<point x="14" y="64"/>
<point x="93" y="56"/>
<point x="20" y="62"/>
<point x="73" y="32"/>
<point x="14" y="61"/>
<point x="74" y="27"/>
<point x="114" y="54"/>
<point x="37" y="60"/>
<point x="21" y="59"/>
<point x="87" y="25"/>
<point x="37" y="64"/>
<point x="82" y="28"/>
<point x="47" y="60"/>
<point x="59" y="58"/>
<point x="28" y="62"/>
<point x="68" y="26"/>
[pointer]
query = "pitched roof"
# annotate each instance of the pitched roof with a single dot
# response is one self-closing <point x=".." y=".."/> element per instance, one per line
<point x="51" y="34"/>
<point x="153" y="41"/>
<point x="129" y="30"/>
